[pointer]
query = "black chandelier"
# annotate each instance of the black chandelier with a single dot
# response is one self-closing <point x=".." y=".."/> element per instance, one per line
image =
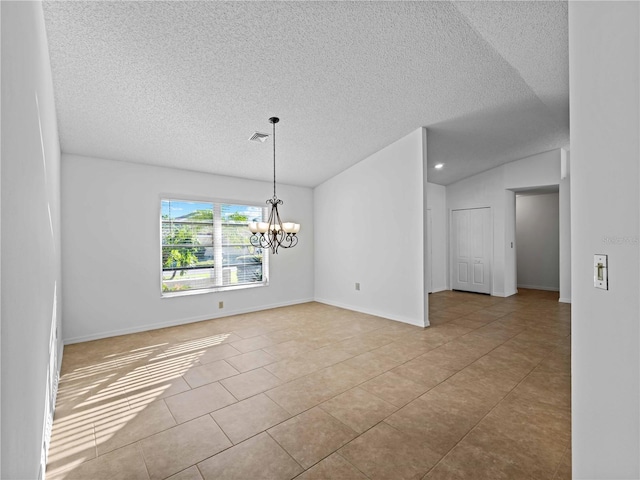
<point x="273" y="233"/>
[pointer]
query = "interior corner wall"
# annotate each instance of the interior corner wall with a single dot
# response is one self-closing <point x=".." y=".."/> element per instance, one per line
<point x="30" y="270"/>
<point x="437" y="201"/>
<point x="491" y="189"/>
<point x="111" y="248"/>
<point x="369" y="230"/>
<point x="538" y="241"/>
<point x="604" y="72"/>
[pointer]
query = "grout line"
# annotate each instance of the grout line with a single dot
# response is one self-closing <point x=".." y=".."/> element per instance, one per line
<point x="286" y="451"/>
<point x="138" y="446"/>
<point x="555" y="472"/>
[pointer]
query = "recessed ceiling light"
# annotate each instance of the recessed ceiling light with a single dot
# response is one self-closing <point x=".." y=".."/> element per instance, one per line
<point x="439" y="166"/>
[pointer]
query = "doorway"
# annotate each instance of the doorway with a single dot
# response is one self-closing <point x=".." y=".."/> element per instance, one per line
<point x="537" y="238"/>
<point x="471" y="248"/>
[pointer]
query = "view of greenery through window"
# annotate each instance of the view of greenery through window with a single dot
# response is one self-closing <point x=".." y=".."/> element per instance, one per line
<point x="205" y="245"/>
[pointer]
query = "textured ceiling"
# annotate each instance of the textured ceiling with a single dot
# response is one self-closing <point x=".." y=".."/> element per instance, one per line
<point x="185" y="84"/>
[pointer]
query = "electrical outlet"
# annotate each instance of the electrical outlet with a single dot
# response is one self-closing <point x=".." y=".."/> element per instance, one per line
<point x="358" y="286"/>
<point x="220" y="304"/>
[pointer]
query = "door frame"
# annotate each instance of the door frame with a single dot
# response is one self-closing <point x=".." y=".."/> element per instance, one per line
<point x="429" y="242"/>
<point x="451" y="249"/>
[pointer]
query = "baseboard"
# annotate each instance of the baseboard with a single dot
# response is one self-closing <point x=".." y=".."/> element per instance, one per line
<point x="439" y="289"/>
<point x="180" y="321"/>
<point x="376" y="313"/>
<point x="539" y="287"/>
<point x="564" y="300"/>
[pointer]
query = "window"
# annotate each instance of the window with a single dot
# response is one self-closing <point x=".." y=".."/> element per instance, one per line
<point x="205" y="247"/>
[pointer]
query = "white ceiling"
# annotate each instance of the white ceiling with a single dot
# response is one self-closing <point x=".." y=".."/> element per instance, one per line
<point x="185" y="84"/>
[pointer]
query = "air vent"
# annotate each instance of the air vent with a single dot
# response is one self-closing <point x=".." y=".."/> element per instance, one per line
<point x="259" y="137"/>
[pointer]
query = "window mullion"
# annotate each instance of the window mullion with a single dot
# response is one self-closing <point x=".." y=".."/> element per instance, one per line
<point x="217" y="245"/>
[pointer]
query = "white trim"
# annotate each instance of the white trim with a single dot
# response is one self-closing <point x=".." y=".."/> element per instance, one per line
<point x="182" y="321"/>
<point x="564" y="300"/>
<point x="388" y="316"/>
<point x="439" y="289"/>
<point x="540" y="287"/>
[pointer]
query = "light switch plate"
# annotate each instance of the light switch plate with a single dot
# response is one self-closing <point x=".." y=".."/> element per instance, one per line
<point x="600" y="272"/>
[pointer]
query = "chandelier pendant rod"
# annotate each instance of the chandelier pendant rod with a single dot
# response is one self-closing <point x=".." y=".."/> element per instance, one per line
<point x="273" y="121"/>
<point x="273" y="233"/>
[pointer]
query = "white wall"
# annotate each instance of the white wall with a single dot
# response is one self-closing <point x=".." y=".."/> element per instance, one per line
<point x="31" y="239"/>
<point x="604" y="63"/>
<point x="111" y="249"/>
<point x="538" y="241"/>
<point x="369" y="229"/>
<point x="493" y="189"/>
<point x="437" y="201"/>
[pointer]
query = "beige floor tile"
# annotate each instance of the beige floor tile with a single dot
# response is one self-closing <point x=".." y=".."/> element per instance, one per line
<point x="299" y="366"/>
<point x="152" y="391"/>
<point x="394" y="388"/>
<point x="283" y="336"/>
<point x="191" y="473"/>
<point x="423" y="373"/>
<point x="179" y="447"/>
<point x="124" y="463"/>
<point x="470" y="322"/>
<point x="288" y="349"/>
<point x="125" y="428"/>
<point x="358" y="409"/>
<point x="249" y="417"/>
<point x="463" y="399"/>
<point x="545" y="387"/>
<point x="218" y="352"/>
<point x="199" y="401"/>
<point x="251" y="360"/>
<point x="467" y="462"/>
<point x="70" y="445"/>
<point x="255" y="331"/>
<point x="293" y="368"/>
<point x="307" y="392"/>
<point x="538" y="457"/>
<point x="211" y="372"/>
<point x="259" y="457"/>
<point x="364" y="343"/>
<point x="400" y="351"/>
<point x="386" y="453"/>
<point x="432" y="426"/>
<point x="334" y="467"/>
<point x="250" y="383"/>
<point x="372" y="363"/>
<point x="311" y="436"/>
<point x="250" y="344"/>
<point x="564" y="469"/>
<point x="517" y="416"/>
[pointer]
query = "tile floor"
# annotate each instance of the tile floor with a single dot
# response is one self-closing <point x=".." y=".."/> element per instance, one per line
<point x="317" y="392"/>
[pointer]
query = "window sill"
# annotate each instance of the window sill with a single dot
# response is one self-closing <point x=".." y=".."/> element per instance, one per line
<point x="200" y="291"/>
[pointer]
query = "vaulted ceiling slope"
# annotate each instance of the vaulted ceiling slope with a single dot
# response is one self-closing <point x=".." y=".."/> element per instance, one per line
<point x="185" y="84"/>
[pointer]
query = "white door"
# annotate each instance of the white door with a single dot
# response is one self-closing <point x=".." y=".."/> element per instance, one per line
<point x="429" y="256"/>
<point x="471" y="250"/>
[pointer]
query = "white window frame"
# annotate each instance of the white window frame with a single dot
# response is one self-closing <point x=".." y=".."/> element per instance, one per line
<point x="217" y="221"/>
